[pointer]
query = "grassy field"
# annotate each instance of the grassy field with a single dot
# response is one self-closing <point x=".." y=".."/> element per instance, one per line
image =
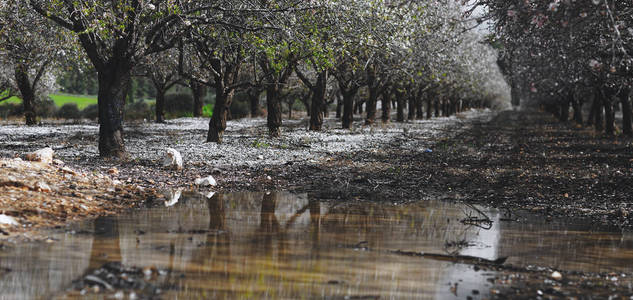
<point x="61" y="99"/>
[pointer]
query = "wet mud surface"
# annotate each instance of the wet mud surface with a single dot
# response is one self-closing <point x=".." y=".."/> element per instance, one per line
<point x="284" y="245"/>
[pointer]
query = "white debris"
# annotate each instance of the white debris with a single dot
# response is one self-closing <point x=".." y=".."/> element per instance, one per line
<point x="173" y="159"/>
<point x="556" y="275"/>
<point x="8" y="220"/>
<point x="42" y="186"/>
<point x="210" y="195"/>
<point x="207" y="181"/>
<point x="173" y="197"/>
<point x="44" y="155"/>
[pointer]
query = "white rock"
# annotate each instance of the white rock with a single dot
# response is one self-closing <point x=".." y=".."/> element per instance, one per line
<point x="173" y="196"/>
<point x="44" y="155"/>
<point x="260" y="157"/>
<point x="557" y="275"/>
<point x="42" y="186"/>
<point x="207" y="181"/>
<point x="210" y="195"/>
<point x="58" y="162"/>
<point x="8" y="220"/>
<point x="173" y="159"/>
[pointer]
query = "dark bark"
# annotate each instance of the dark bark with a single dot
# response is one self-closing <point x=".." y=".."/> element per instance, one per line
<point x="598" y="112"/>
<point x="318" y="105"/>
<point x="627" y="117"/>
<point x="290" y="108"/>
<point x="198" y="90"/>
<point x="253" y="98"/>
<point x="217" y="124"/>
<point x="436" y="106"/>
<point x="419" y="108"/>
<point x="358" y="106"/>
<point x="348" y="91"/>
<point x="411" y="113"/>
<point x="445" y="108"/>
<point x="385" y="100"/>
<point x="27" y="94"/>
<point x="273" y="105"/>
<point x="370" y="104"/>
<point x="400" y="102"/>
<point x="114" y="81"/>
<point x="318" y="102"/>
<point x="564" y="110"/>
<point x="339" y="106"/>
<point x="160" y="106"/>
<point x="577" y="106"/>
<point x="609" y="116"/>
<point x="226" y="75"/>
<point x="429" y="110"/>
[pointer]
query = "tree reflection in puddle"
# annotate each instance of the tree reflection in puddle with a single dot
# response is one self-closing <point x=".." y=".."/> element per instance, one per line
<point x="282" y="245"/>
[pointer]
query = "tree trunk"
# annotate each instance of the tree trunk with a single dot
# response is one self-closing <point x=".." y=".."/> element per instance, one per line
<point x="400" y="106"/>
<point x="348" y="108"/>
<point x="339" y="107"/>
<point x="385" y="100"/>
<point x="198" y="90"/>
<point x="114" y="82"/>
<point x="577" y="106"/>
<point x="318" y="101"/>
<point x="564" y="111"/>
<point x="217" y="124"/>
<point x="627" y="126"/>
<point x="27" y="94"/>
<point x="274" y="110"/>
<point x="358" y="106"/>
<point x="598" y="113"/>
<point x="160" y="105"/>
<point x="609" y="117"/>
<point x="412" y="107"/>
<point x="253" y="97"/>
<point x="429" y="111"/>
<point x="436" y="106"/>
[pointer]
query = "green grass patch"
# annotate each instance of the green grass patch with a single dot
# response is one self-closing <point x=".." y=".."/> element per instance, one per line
<point x="60" y="99"/>
<point x="13" y="100"/>
<point x="80" y="100"/>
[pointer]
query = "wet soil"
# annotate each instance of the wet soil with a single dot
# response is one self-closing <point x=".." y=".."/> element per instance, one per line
<point x="515" y="161"/>
<point x="281" y="245"/>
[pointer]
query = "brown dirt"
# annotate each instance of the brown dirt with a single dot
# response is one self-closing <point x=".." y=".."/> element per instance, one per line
<point x="38" y="195"/>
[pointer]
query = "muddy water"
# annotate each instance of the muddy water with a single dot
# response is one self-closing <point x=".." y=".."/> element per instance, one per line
<point x="280" y="245"/>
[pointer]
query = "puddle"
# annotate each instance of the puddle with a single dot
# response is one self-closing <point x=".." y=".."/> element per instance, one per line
<point x="281" y="245"/>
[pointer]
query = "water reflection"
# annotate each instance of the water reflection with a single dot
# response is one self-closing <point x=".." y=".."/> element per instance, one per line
<point x="280" y="245"/>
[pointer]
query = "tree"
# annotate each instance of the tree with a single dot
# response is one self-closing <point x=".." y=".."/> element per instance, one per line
<point x="30" y="50"/>
<point x="117" y="36"/>
<point x="162" y="70"/>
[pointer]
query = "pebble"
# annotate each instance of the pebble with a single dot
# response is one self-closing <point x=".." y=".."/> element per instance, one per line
<point x="8" y="220"/>
<point x="44" y="155"/>
<point x="556" y="275"/>
<point x="172" y="159"/>
<point x="207" y="181"/>
<point x="43" y="187"/>
<point x="113" y="171"/>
